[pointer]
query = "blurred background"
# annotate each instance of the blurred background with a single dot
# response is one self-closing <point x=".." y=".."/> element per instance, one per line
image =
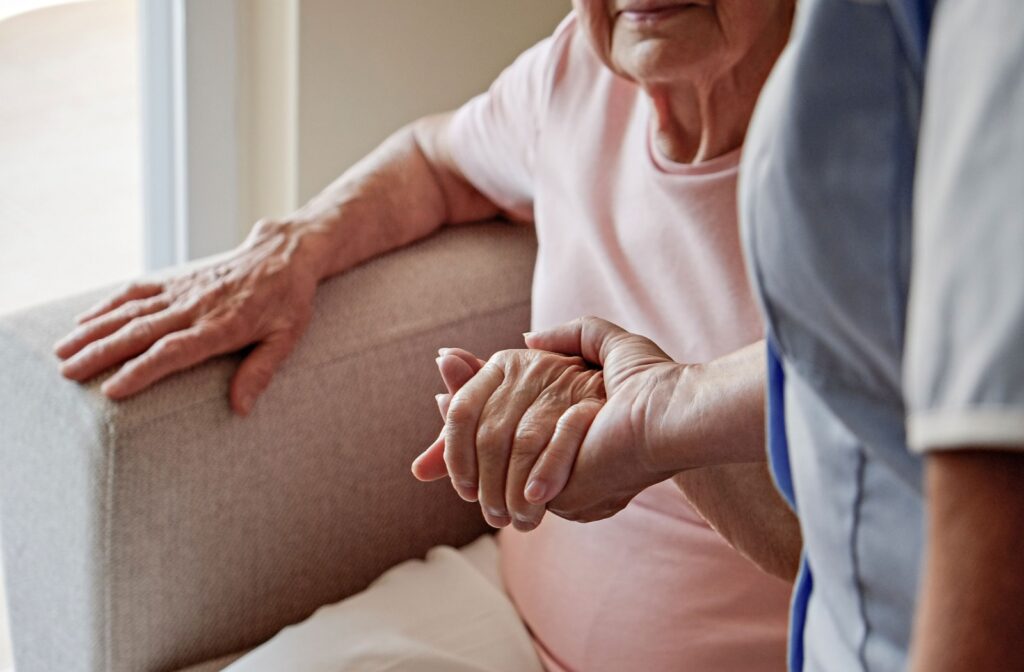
<point x="138" y="134"/>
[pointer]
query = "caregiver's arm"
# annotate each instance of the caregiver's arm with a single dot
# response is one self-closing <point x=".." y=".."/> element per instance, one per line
<point x="262" y="292"/>
<point x="702" y="424"/>
<point x="963" y="369"/>
<point x="970" y="615"/>
<point x="741" y="503"/>
<point x="738" y="500"/>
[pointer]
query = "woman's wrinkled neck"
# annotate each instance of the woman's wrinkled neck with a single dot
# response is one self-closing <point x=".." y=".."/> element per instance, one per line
<point x="698" y="119"/>
<point x="693" y="125"/>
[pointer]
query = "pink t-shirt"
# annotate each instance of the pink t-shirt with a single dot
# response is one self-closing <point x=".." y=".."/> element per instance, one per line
<point x="652" y="245"/>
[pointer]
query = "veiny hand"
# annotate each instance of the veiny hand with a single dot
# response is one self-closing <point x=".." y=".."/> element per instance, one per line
<point x="509" y="422"/>
<point x="263" y="294"/>
<point x="619" y="455"/>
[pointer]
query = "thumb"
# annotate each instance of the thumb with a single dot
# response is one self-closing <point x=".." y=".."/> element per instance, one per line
<point x="591" y="338"/>
<point x="255" y="371"/>
<point x="430" y="466"/>
<point x="588" y="337"/>
<point x="601" y="343"/>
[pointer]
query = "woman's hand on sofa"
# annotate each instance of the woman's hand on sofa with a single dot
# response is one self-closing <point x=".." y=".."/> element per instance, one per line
<point x="261" y="294"/>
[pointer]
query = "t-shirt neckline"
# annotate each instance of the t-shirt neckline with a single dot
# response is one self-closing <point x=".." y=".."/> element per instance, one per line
<point x="721" y="163"/>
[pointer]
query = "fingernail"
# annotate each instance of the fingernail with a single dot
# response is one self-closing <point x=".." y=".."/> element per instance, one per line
<point x="534" y="491"/>
<point x="498" y="519"/>
<point x="467" y="491"/>
<point x="443" y="351"/>
<point x="527" y="334"/>
<point x="524" y="523"/>
<point x="438" y="361"/>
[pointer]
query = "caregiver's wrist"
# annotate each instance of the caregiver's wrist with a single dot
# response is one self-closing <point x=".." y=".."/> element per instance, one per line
<point x="712" y="415"/>
<point x="675" y="427"/>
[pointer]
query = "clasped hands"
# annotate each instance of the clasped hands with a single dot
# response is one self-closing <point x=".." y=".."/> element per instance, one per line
<point x="569" y="425"/>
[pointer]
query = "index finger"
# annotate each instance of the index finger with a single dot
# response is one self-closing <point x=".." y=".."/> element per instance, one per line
<point x="132" y="292"/>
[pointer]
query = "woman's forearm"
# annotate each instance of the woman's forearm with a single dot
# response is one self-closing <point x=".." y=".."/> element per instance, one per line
<point x="400" y="192"/>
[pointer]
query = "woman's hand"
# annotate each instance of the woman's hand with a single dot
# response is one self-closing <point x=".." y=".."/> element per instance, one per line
<point x="456" y="366"/>
<point x="622" y="452"/>
<point x="514" y="413"/>
<point x="263" y="294"/>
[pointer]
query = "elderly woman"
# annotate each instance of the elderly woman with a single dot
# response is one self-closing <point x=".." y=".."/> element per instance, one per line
<point x="619" y="138"/>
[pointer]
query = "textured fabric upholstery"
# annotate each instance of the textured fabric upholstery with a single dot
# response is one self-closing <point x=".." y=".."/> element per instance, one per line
<point x="161" y="532"/>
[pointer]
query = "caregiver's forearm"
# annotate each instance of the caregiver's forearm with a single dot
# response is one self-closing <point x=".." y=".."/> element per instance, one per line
<point x="402" y="191"/>
<point x="970" y="614"/>
<point x="713" y="429"/>
<point x="714" y="415"/>
<point x="741" y="503"/>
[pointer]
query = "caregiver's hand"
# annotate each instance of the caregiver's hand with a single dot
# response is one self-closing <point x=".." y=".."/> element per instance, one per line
<point x="262" y="293"/>
<point x="622" y="452"/>
<point x="520" y="411"/>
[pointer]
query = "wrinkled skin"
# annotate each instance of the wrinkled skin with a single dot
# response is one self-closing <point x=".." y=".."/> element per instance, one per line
<point x="583" y="455"/>
<point x="258" y="295"/>
<point x="516" y="420"/>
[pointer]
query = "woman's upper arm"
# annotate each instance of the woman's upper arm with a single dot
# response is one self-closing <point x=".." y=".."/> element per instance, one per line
<point x="489" y="144"/>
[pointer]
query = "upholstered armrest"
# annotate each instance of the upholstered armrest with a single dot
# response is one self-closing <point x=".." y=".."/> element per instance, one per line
<point x="147" y="535"/>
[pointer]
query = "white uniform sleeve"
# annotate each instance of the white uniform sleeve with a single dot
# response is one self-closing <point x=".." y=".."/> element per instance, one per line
<point x="964" y="359"/>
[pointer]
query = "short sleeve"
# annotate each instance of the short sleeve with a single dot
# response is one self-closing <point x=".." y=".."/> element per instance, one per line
<point x="964" y="358"/>
<point x="494" y="136"/>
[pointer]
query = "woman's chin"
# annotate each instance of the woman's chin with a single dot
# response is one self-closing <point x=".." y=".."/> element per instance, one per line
<point x="657" y="60"/>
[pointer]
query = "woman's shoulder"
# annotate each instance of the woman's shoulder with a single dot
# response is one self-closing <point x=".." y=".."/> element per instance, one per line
<point x="574" y="68"/>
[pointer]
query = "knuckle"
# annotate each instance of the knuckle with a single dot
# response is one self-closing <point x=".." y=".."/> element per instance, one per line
<point x="168" y="347"/>
<point x="529" y="438"/>
<point x="93" y="351"/>
<point x="488" y="438"/>
<point x="140" y="329"/>
<point x="460" y="413"/>
<point x="500" y="359"/>
<point x="569" y="422"/>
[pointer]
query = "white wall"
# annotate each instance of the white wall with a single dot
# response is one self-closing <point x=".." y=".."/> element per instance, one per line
<point x="324" y="81"/>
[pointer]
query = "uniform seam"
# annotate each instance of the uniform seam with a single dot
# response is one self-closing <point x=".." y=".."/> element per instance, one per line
<point x="855" y="561"/>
